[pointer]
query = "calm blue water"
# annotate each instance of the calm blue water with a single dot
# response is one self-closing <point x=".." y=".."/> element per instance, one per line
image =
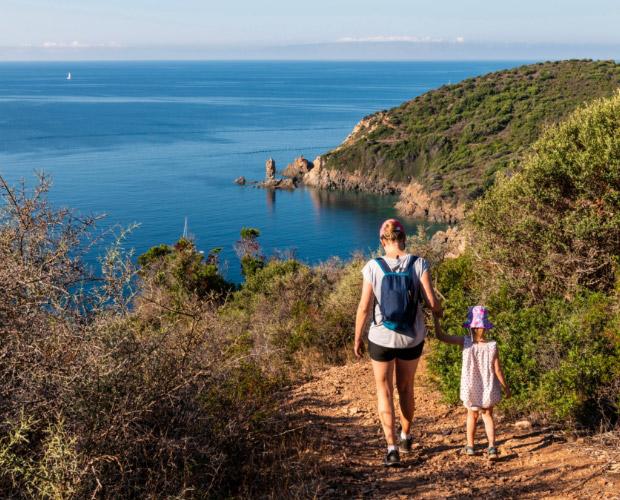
<point x="154" y="142"/>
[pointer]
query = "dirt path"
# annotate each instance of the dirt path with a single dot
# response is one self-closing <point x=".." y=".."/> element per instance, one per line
<point x="338" y="409"/>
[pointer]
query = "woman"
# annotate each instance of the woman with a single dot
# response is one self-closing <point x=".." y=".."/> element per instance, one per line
<point x="395" y="342"/>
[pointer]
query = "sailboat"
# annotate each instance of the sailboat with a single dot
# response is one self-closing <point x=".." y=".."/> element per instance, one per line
<point x="186" y="235"/>
<point x="69" y="75"/>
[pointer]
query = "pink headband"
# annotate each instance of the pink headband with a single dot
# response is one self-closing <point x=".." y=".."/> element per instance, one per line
<point x="398" y="227"/>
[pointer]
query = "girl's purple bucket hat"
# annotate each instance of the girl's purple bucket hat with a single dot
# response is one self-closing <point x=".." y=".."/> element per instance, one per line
<point x="478" y="317"/>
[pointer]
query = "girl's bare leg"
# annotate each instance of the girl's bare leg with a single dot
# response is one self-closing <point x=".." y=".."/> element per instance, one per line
<point x="472" y="420"/>
<point x="489" y="425"/>
<point x="405" y="373"/>
<point x="384" y="380"/>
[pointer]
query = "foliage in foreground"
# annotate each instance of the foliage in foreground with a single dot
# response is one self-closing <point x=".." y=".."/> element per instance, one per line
<point x="544" y="260"/>
<point x="136" y="388"/>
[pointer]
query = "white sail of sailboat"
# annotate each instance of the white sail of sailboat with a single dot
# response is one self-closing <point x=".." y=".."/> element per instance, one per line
<point x="69" y="75"/>
<point x="186" y="235"/>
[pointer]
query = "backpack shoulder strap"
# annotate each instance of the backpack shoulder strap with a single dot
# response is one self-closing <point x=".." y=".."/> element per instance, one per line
<point x="383" y="265"/>
<point x="415" y="281"/>
<point x="411" y="263"/>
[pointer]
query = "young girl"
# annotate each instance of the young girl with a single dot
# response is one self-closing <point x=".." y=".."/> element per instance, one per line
<point x="481" y="375"/>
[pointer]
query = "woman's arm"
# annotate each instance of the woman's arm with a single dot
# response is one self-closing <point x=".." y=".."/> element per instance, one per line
<point x="500" y="375"/>
<point x="363" y="310"/>
<point x="449" y="339"/>
<point x="429" y="295"/>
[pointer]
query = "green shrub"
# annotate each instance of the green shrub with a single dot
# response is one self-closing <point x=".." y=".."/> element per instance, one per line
<point x="555" y="226"/>
<point x="579" y="380"/>
<point x="298" y="314"/>
<point x="561" y="358"/>
<point x="249" y="252"/>
<point x="544" y="260"/>
<point x="181" y="270"/>
<point x="336" y="325"/>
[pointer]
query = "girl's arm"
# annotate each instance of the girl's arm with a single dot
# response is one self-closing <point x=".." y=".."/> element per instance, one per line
<point x="449" y="339"/>
<point x="429" y="295"/>
<point x="363" y="309"/>
<point x="500" y="375"/>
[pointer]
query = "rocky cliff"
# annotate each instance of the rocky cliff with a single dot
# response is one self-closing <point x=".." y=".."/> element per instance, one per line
<point x="323" y="178"/>
<point x="443" y="149"/>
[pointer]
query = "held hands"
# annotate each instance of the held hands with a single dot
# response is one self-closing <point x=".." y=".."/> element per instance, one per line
<point x="507" y="392"/>
<point x="439" y="335"/>
<point x="358" y="348"/>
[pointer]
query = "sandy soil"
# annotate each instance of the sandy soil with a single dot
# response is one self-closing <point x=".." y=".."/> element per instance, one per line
<point x="337" y="409"/>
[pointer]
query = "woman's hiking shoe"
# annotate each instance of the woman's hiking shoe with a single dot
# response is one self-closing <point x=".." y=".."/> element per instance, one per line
<point x="469" y="450"/>
<point x="392" y="459"/>
<point x="493" y="454"/>
<point x="406" y="445"/>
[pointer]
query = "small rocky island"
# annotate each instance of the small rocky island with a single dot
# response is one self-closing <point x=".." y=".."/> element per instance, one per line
<point x="271" y="181"/>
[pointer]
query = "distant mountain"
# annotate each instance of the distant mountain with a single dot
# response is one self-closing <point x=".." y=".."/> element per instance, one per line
<point x="352" y="50"/>
<point x="368" y="50"/>
<point x="451" y="141"/>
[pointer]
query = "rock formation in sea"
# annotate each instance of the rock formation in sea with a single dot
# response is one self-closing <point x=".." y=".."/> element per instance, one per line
<point x="240" y="180"/>
<point x="270" y="169"/>
<point x="278" y="184"/>
<point x="271" y="182"/>
<point x="298" y="168"/>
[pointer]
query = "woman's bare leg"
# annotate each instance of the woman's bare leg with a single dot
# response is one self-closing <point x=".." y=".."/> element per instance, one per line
<point x="405" y="373"/>
<point x="489" y="425"/>
<point x="384" y="380"/>
<point x="472" y="420"/>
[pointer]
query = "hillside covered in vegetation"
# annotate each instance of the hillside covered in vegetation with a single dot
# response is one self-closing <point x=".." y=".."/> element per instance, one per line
<point x="453" y="140"/>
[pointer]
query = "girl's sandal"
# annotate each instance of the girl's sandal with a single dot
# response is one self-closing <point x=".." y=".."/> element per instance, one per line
<point x="492" y="452"/>
<point x="469" y="450"/>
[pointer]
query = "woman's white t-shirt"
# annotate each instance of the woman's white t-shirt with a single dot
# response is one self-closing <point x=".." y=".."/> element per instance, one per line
<point x="379" y="334"/>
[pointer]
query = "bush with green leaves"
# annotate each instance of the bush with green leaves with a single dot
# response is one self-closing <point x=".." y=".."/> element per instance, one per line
<point x="544" y="257"/>
<point x="554" y="227"/>
<point x="183" y="271"/>
<point x="302" y="315"/>
<point x="249" y="252"/>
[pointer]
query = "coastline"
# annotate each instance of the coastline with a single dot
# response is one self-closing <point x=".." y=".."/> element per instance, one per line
<point x="414" y="201"/>
<point x="151" y="147"/>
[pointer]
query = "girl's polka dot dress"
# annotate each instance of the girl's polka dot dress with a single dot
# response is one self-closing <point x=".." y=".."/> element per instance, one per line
<point x="480" y="387"/>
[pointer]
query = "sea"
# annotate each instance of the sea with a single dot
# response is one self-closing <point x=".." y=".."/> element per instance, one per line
<point x="150" y="145"/>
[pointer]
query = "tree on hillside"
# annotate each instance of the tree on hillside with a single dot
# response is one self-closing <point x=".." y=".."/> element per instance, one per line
<point x="249" y="251"/>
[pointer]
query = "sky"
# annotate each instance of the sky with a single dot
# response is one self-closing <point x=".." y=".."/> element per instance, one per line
<point x="108" y="28"/>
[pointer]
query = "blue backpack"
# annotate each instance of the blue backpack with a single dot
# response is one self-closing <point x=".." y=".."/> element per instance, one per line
<point x="399" y="297"/>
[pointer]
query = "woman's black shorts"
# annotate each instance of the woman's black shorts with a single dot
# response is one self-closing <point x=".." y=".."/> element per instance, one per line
<point x="380" y="353"/>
